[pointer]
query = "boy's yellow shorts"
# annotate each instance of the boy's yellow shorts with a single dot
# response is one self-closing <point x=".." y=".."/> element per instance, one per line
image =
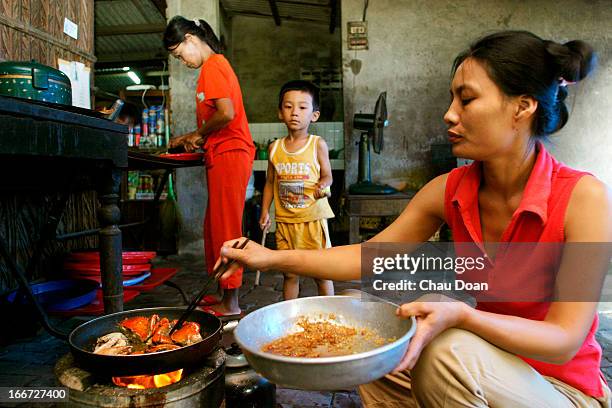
<point x="302" y="235"/>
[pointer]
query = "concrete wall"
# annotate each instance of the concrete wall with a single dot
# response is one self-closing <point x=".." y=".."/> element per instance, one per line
<point x="265" y="56"/>
<point x="190" y="182"/>
<point x="412" y="46"/>
<point x="225" y="33"/>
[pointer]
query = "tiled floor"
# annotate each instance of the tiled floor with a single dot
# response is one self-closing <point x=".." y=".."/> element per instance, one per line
<point x="30" y="361"/>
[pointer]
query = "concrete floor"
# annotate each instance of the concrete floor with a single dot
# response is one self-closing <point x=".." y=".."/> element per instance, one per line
<point x="29" y="361"/>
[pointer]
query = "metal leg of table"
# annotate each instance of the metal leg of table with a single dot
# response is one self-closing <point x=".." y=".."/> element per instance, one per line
<point x="354" y="229"/>
<point x="111" y="262"/>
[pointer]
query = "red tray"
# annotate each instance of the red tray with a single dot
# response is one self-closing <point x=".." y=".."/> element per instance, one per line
<point x="183" y="156"/>
<point x="97" y="306"/>
<point x="94" y="269"/>
<point x="158" y="276"/>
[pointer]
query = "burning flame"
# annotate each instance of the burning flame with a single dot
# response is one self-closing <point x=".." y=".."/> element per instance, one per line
<point x="149" y="381"/>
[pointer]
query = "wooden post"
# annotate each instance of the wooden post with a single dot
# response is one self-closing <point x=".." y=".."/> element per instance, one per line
<point x="111" y="261"/>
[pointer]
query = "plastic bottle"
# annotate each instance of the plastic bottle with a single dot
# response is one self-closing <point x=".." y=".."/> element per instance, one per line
<point x="145" y="123"/>
<point x="130" y="136"/>
<point x="137" y="135"/>
<point x="160" y="128"/>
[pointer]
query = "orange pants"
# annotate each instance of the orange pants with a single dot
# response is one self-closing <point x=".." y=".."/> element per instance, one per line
<point x="227" y="175"/>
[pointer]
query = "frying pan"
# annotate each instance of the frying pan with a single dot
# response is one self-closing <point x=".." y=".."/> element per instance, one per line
<point x="83" y="338"/>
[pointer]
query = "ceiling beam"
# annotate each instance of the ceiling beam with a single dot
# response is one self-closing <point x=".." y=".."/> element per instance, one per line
<point x="334" y="15"/>
<point x="161" y="6"/>
<point x="286" y="18"/>
<point x="300" y="3"/>
<point x="274" y="9"/>
<point x="129" y="29"/>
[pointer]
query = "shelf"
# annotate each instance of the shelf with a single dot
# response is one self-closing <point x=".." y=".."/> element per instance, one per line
<point x="141" y="200"/>
<point x="151" y="92"/>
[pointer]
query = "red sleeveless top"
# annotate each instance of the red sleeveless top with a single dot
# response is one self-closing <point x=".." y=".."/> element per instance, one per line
<point x="538" y="218"/>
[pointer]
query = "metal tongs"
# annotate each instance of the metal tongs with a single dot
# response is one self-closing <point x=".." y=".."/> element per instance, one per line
<point x="217" y="273"/>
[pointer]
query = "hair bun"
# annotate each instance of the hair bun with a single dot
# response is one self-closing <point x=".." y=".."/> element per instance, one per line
<point x="575" y="59"/>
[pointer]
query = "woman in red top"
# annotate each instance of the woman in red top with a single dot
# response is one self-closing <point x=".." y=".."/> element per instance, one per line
<point x="508" y="90"/>
<point x="223" y="133"/>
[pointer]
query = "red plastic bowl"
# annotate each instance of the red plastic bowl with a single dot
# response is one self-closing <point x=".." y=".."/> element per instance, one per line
<point x="95" y="255"/>
<point x="94" y="268"/>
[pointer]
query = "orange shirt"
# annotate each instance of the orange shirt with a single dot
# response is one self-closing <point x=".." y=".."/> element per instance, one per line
<point x="218" y="80"/>
<point x="539" y="218"/>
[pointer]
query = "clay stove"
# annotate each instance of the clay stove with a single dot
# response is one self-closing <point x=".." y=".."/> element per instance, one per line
<point x="199" y="387"/>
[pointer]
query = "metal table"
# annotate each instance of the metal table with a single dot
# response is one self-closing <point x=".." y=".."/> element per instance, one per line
<point x="50" y="147"/>
<point x="361" y="205"/>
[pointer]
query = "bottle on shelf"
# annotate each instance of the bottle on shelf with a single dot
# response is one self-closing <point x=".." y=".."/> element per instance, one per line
<point x="137" y="135"/>
<point x="144" y="127"/>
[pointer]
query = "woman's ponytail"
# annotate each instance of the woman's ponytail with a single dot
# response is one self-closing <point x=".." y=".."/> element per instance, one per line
<point x="179" y="26"/>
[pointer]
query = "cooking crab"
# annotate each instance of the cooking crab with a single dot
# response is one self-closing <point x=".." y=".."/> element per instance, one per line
<point x="141" y="334"/>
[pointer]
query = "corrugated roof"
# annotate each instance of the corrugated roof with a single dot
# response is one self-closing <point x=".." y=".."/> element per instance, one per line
<point x="122" y="14"/>
<point x="143" y="16"/>
<point x="310" y="10"/>
<point x="113" y="44"/>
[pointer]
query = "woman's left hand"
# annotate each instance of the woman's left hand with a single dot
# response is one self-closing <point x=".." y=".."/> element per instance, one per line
<point x="434" y="314"/>
<point x="192" y="141"/>
<point x="175" y="142"/>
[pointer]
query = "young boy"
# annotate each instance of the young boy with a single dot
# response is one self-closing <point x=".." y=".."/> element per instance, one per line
<point x="298" y="179"/>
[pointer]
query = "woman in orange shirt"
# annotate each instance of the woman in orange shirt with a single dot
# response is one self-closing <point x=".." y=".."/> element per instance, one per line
<point x="223" y="133"/>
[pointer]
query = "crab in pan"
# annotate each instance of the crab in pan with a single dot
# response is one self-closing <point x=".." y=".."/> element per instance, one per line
<point x="188" y="333"/>
<point x="140" y="334"/>
<point x="113" y="344"/>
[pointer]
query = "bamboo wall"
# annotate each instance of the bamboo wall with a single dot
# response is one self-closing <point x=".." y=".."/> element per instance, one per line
<point x="22" y="218"/>
<point x="34" y="29"/>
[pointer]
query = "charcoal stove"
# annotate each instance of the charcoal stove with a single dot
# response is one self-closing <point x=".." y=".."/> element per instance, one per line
<point x="200" y="387"/>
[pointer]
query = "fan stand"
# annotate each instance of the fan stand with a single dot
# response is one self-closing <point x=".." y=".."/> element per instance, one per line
<point x="364" y="183"/>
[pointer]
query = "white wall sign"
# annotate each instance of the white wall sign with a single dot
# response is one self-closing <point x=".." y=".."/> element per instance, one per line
<point x="71" y="28"/>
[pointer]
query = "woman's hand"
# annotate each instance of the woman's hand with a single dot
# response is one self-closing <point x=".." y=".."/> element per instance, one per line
<point x="176" y="142"/>
<point x="264" y="220"/>
<point x="434" y="314"/>
<point x="191" y="141"/>
<point x="253" y="256"/>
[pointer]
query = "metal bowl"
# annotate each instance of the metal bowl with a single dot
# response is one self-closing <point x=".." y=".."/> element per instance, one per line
<point x="325" y="373"/>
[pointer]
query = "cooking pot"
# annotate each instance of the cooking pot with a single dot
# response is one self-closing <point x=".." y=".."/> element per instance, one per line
<point x="31" y="80"/>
